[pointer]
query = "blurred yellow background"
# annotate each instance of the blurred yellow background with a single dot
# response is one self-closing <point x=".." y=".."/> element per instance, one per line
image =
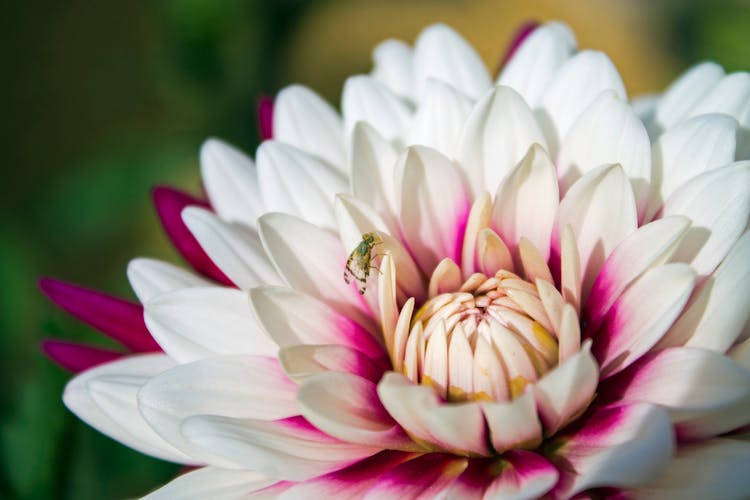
<point x="103" y="100"/>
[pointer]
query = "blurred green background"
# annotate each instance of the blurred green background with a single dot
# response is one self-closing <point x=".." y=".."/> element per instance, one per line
<point x="103" y="100"/>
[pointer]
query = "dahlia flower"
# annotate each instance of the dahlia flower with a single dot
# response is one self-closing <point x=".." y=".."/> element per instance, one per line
<point x="455" y="287"/>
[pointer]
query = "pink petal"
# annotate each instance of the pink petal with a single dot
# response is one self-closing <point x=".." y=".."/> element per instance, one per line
<point x="347" y="407"/>
<point x="116" y="318"/>
<point x="434" y="206"/>
<point x="525" y="475"/>
<point x="265" y="117"/>
<point x="169" y="203"/>
<point x="625" y="445"/>
<point x="352" y="482"/>
<point x="424" y="477"/>
<point x="641" y="316"/>
<point x="77" y="357"/>
<point x="303" y="361"/>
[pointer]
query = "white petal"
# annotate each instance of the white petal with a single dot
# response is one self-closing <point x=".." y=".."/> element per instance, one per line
<point x="105" y="398"/>
<point x="366" y="99"/>
<point x="642" y="315"/>
<point x="513" y="424"/>
<point x="304" y="120"/>
<point x="311" y="260"/>
<point x="195" y="323"/>
<point x="649" y="246"/>
<point x="620" y="446"/>
<point x="151" y="277"/>
<point x="287" y="449"/>
<point x="684" y="93"/>
<point x="212" y="482"/>
<point x="713" y="469"/>
<point x="601" y="211"/>
<point x="291" y="318"/>
<point x="572" y="89"/>
<point x="420" y="412"/>
<point x="234" y="248"/>
<point x="372" y="162"/>
<point x="297" y="183"/>
<point x="347" y="407"/>
<point x="718" y="204"/>
<point x="442" y="54"/>
<point x="532" y="66"/>
<point x="608" y="131"/>
<point x="216" y="386"/>
<point x="439" y="117"/>
<point x="303" y="361"/>
<point x="231" y="182"/>
<point x="433" y="206"/>
<point x="715" y="316"/>
<point x="731" y="95"/>
<point x="393" y="66"/>
<point x="694" y="146"/>
<point x="497" y="134"/>
<point x="564" y="392"/>
<point x="526" y="202"/>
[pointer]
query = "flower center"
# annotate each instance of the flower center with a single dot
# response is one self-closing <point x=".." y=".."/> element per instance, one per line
<point x="486" y="341"/>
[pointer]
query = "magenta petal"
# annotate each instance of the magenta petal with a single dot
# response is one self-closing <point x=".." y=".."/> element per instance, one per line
<point x="116" y="318"/>
<point x="169" y="204"/>
<point x="423" y="477"/>
<point x="265" y="117"/>
<point x="353" y="481"/>
<point x="77" y="357"/>
<point x="519" y="36"/>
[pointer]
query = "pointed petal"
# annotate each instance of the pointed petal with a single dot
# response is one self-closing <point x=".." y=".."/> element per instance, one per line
<point x="563" y="393"/>
<point x="231" y="386"/>
<point x="212" y="482"/>
<point x="686" y="92"/>
<point x="433" y="206"/>
<point x="716" y="314"/>
<point x="625" y="445"/>
<point x="513" y="424"/>
<point x="479" y="219"/>
<point x="289" y="449"/>
<point x="366" y="99"/>
<point x="393" y="61"/>
<point x="195" y="323"/>
<point x="492" y="253"/>
<point x="304" y="120"/>
<point x="641" y="316"/>
<point x="116" y="318"/>
<point x="692" y="147"/>
<point x="312" y="261"/>
<point x="454" y="427"/>
<point x="295" y="182"/>
<point x="649" y="246"/>
<point x="532" y="66"/>
<point x="442" y="54"/>
<point x="151" y="277"/>
<point x="231" y="182"/>
<point x="234" y="248"/>
<point x="439" y="117"/>
<point x="264" y="110"/>
<point x="572" y="89"/>
<point x="303" y="361"/>
<point x="608" y="131"/>
<point x="291" y="318"/>
<point x="372" y="162"/>
<point x="601" y="211"/>
<point x="702" y="390"/>
<point x="347" y="407"/>
<point x="497" y="134"/>
<point x="77" y="357"/>
<point x="105" y="398"/>
<point x="526" y="202"/>
<point x="730" y="95"/>
<point x="718" y="204"/>
<point x="169" y="204"/>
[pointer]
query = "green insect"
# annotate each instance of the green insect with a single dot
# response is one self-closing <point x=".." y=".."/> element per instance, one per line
<point x="359" y="263"/>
